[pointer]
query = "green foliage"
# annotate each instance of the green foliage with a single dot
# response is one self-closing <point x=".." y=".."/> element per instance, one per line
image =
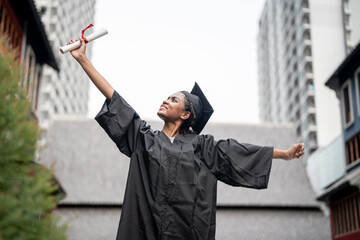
<point x="27" y="189"/>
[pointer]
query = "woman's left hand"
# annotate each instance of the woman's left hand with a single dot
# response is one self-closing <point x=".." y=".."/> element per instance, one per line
<point x="296" y="151"/>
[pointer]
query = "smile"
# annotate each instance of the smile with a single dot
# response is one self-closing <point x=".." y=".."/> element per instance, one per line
<point x="163" y="107"/>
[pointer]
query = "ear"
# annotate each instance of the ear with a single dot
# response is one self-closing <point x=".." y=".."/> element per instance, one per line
<point x="185" y="115"/>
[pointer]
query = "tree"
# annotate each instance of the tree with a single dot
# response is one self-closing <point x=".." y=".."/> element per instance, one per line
<point x="27" y="189"/>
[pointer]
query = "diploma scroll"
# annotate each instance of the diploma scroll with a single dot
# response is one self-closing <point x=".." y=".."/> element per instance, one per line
<point x="95" y="35"/>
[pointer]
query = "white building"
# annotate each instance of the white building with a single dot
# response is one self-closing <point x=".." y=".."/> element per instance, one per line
<point x="300" y="43"/>
<point x="64" y="92"/>
<point x="351" y="21"/>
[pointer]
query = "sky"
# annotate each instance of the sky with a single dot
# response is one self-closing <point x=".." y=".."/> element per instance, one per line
<point x="159" y="47"/>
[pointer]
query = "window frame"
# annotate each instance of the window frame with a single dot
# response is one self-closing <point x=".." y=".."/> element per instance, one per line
<point x="347" y="84"/>
<point x="357" y="85"/>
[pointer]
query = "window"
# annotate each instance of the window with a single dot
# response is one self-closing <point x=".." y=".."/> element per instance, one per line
<point x="306" y="35"/>
<point x="348" y="36"/>
<point x="346" y="5"/>
<point x="310" y="87"/>
<point x="45" y="115"/>
<point x="52" y="27"/>
<point x="305" y="4"/>
<point x="347" y="104"/>
<point x="350" y="49"/>
<point x="53" y="11"/>
<point x="306" y="20"/>
<point x="46" y="97"/>
<point x="347" y="20"/>
<point x="47" y="79"/>
<point x="357" y="87"/>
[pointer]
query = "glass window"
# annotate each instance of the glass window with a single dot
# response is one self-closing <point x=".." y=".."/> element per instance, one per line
<point x="53" y="11"/>
<point x="347" y="20"/>
<point x="347" y="104"/>
<point x="348" y="36"/>
<point x="346" y="5"/>
<point x="52" y="27"/>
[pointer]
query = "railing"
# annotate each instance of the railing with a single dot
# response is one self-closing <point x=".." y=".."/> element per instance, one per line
<point x="345" y="215"/>
<point x="352" y="149"/>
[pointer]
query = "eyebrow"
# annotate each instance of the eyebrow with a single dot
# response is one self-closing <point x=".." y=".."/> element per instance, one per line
<point x="174" y="97"/>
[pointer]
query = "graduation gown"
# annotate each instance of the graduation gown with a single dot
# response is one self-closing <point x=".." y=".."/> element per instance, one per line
<point x="171" y="187"/>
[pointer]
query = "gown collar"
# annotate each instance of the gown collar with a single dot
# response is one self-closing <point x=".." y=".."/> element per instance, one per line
<point x="180" y="138"/>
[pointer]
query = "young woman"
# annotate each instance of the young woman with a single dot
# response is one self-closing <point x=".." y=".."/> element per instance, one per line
<point x="172" y="180"/>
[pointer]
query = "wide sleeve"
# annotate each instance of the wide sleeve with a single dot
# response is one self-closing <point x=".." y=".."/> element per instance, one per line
<point x="237" y="164"/>
<point x="121" y="123"/>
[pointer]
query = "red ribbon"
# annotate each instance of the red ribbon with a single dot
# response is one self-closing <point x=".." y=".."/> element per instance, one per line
<point x="82" y="32"/>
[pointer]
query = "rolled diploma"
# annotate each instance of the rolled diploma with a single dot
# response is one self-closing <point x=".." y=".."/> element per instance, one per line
<point x="98" y="33"/>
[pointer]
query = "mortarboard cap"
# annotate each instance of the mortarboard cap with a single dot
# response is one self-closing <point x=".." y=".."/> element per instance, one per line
<point x="201" y="106"/>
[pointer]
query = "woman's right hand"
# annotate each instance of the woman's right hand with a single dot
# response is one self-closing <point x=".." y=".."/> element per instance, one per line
<point x="78" y="53"/>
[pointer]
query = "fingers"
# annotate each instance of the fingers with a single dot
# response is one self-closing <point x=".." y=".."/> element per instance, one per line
<point x="82" y="41"/>
<point x="299" y="149"/>
<point x="71" y="41"/>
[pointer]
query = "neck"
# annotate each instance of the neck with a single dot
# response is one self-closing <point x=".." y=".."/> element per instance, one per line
<point x="171" y="129"/>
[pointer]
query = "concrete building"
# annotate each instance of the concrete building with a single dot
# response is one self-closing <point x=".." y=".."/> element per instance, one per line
<point x="64" y="92"/>
<point x="93" y="175"/>
<point x="300" y="43"/>
<point x="351" y="8"/>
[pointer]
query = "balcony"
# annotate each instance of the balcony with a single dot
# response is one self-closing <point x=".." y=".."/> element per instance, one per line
<point x="312" y="128"/>
<point x="312" y="144"/>
<point x="307" y="42"/>
<point x="309" y="75"/>
<point x="308" y="59"/>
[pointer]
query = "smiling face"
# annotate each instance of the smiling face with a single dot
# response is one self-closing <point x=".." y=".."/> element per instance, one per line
<point x="173" y="108"/>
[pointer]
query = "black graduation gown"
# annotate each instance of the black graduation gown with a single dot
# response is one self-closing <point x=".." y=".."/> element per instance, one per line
<point x="171" y="187"/>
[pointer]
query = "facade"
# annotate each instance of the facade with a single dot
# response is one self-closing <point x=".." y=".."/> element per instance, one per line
<point x="94" y="177"/>
<point x="64" y="92"/>
<point x="351" y="8"/>
<point x="21" y="29"/>
<point x="300" y="42"/>
<point x="342" y="194"/>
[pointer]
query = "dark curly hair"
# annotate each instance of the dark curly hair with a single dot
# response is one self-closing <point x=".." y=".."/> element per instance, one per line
<point x="185" y="127"/>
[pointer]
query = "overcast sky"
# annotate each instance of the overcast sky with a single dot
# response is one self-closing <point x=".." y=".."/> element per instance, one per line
<point x="158" y="47"/>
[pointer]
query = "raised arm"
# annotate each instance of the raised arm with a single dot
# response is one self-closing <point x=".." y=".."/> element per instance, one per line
<point x="100" y="82"/>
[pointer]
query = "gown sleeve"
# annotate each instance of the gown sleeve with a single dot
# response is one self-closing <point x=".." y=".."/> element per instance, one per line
<point x="120" y="122"/>
<point x="237" y="164"/>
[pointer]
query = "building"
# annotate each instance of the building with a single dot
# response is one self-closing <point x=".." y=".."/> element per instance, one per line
<point x="300" y="42"/>
<point x="342" y="194"/>
<point x="351" y="20"/>
<point x="64" y="92"/>
<point x="21" y="29"/>
<point x="94" y="175"/>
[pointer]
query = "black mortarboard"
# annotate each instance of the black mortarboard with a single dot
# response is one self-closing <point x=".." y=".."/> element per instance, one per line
<point x="201" y="106"/>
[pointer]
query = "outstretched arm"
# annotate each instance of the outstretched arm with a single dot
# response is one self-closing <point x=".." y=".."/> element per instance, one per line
<point x="296" y="151"/>
<point x="100" y="82"/>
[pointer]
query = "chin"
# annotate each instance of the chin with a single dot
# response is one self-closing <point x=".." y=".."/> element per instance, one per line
<point x="161" y="115"/>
